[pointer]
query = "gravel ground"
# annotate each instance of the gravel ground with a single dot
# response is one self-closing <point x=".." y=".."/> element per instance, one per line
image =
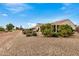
<point x="17" y="44"/>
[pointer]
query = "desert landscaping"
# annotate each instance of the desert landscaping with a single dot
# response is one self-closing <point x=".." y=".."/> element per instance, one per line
<point x="17" y="44"/>
<point x="26" y="42"/>
<point x="39" y="29"/>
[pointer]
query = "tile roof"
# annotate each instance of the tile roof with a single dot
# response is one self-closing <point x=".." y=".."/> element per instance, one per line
<point x="61" y="21"/>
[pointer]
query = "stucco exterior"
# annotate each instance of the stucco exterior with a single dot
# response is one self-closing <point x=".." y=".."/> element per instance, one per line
<point x="61" y="22"/>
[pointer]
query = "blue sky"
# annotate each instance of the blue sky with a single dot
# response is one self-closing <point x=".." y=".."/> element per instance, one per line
<point x="28" y="14"/>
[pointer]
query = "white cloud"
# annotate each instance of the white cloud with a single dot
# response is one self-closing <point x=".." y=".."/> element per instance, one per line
<point x="15" y="10"/>
<point x="17" y="7"/>
<point x="3" y="14"/>
<point x="65" y="6"/>
<point x="30" y="25"/>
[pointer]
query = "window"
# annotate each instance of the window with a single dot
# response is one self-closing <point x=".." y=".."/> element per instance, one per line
<point x="57" y="28"/>
<point x="54" y="28"/>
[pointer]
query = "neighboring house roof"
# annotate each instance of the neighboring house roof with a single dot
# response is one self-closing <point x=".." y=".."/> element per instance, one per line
<point x="60" y="22"/>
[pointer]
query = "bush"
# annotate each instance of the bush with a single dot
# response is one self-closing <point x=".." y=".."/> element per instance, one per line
<point x="24" y="31"/>
<point x="17" y="28"/>
<point x="30" y="32"/>
<point x="34" y="33"/>
<point x="2" y="29"/>
<point x="47" y="30"/>
<point x="65" y="30"/>
<point x="55" y="34"/>
<point x="45" y="26"/>
<point x="9" y="27"/>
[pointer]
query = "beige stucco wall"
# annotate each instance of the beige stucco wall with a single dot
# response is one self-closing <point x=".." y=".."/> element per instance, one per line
<point x="66" y="22"/>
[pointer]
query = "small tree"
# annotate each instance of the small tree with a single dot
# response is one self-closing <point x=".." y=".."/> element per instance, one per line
<point x="2" y="29"/>
<point x="65" y="30"/>
<point x="17" y="28"/>
<point x="9" y="27"/>
<point x="47" y="30"/>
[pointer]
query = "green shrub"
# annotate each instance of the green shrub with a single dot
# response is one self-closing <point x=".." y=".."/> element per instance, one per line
<point x="9" y="27"/>
<point x="45" y="26"/>
<point x="2" y="29"/>
<point x="30" y="32"/>
<point x="65" y="30"/>
<point x="34" y="33"/>
<point x="17" y="28"/>
<point x="47" y="30"/>
<point x="55" y="34"/>
<point x="24" y="31"/>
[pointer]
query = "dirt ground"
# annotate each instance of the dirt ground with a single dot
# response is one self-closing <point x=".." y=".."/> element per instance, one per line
<point x="17" y="44"/>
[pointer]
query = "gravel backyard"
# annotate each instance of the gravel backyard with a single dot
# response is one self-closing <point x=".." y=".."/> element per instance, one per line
<point x="17" y="44"/>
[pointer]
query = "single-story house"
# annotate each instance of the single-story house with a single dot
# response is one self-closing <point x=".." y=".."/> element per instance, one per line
<point x="57" y="23"/>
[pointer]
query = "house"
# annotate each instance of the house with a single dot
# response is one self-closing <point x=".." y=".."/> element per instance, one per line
<point x="58" y="23"/>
